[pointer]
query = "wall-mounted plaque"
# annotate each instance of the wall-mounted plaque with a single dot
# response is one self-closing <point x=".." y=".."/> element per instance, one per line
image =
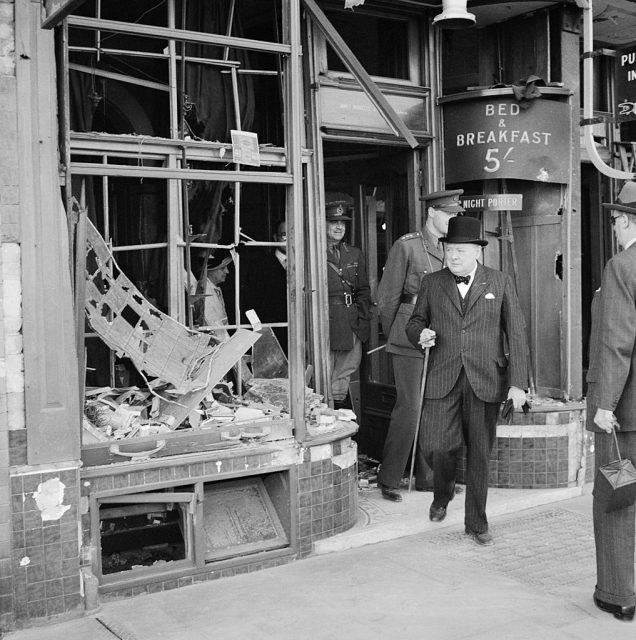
<point x="350" y="108"/>
<point x="490" y="138"/>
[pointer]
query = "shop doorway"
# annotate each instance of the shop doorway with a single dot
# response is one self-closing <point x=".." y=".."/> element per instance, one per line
<point x="378" y="180"/>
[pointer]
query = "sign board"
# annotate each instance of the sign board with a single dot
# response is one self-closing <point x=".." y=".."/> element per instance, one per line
<point x="493" y="202"/>
<point x="625" y="85"/>
<point x="350" y="108"/>
<point x="490" y="138"/>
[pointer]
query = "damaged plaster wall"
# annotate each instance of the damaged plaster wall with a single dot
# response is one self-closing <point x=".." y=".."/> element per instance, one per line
<point x="49" y="499"/>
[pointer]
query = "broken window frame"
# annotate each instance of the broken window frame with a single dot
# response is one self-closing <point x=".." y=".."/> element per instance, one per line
<point x="413" y="47"/>
<point x="191" y="496"/>
<point x="191" y="511"/>
<point x="175" y="153"/>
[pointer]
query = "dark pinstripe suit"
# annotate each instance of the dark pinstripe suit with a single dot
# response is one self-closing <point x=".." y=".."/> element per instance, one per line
<point x="480" y="351"/>
<point x="611" y="381"/>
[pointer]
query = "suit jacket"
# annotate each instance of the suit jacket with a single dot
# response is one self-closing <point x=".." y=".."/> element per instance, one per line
<point x="345" y="321"/>
<point x="612" y="368"/>
<point x="411" y="257"/>
<point x="487" y="339"/>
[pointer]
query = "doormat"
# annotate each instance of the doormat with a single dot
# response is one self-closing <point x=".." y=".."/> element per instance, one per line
<point x="239" y="518"/>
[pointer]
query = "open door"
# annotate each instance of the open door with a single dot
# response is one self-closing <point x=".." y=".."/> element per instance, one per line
<point x="379" y="181"/>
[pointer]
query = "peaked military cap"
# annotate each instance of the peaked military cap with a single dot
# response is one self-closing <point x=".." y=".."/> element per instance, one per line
<point x="336" y="206"/>
<point x="444" y="200"/>
<point x="625" y="200"/>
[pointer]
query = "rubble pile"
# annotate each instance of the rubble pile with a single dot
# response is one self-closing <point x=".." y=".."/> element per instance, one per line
<point x="112" y="413"/>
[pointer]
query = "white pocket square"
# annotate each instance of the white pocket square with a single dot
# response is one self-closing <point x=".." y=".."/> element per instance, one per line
<point x="489" y="296"/>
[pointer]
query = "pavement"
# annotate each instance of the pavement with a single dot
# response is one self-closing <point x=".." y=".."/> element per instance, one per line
<point x="398" y="574"/>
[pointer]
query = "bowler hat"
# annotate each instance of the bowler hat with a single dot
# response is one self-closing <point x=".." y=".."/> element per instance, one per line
<point x="336" y="205"/>
<point x="464" y="230"/>
<point x="625" y="200"/>
<point x="444" y="200"/>
<point x="221" y="258"/>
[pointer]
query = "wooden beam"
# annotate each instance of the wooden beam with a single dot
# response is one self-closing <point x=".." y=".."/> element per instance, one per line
<point x="57" y="10"/>
<point x="118" y="76"/>
<point x="180" y="35"/>
<point x="258" y="177"/>
<point x="359" y="72"/>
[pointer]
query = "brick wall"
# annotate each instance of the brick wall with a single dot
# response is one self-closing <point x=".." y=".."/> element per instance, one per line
<point x="11" y="361"/>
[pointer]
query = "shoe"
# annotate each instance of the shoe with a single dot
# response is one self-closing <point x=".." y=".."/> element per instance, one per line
<point x="423" y="488"/>
<point x="436" y="514"/>
<point x="389" y="493"/>
<point x="484" y="538"/>
<point x="626" y="614"/>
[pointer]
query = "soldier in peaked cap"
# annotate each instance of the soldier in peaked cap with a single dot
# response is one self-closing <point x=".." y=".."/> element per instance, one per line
<point x="349" y="299"/>
<point x="410" y="259"/>
<point x="611" y="406"/>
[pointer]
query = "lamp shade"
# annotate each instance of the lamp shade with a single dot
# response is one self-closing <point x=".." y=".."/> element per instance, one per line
<point x="454" y="15"/>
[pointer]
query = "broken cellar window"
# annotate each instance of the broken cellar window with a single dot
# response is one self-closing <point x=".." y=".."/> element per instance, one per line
<point x="150" y="532"/>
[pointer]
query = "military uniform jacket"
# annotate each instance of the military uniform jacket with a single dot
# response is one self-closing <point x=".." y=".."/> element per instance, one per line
<point x="346" y="274"/>
<point x="411" y="257"/>
<point x="611" y="374"/>
<point x="474" y="337"/>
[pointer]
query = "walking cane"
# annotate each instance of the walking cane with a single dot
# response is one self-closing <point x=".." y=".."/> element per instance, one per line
<point x="419" y="415"/>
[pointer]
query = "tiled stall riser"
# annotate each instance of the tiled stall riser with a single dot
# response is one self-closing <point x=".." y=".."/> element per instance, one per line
<point x="541" y="450"/>
<point x="46" y="557"/>
<point x="325" y="482"/>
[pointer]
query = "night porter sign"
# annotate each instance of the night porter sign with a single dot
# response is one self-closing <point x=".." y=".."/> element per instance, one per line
<point x="490" y="138"/>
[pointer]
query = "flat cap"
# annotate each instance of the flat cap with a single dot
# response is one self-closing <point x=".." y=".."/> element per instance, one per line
<point x="444" y="200"/>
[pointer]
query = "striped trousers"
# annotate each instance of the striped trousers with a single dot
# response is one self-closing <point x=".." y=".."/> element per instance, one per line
<point x="448" y="424"/>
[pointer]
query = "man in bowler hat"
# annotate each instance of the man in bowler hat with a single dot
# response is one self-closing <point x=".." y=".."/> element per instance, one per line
<point x="411" y="257"/>
<point x="611" y="405"/>
<point x="349" y="300"/>
<point x="467" y="315"/>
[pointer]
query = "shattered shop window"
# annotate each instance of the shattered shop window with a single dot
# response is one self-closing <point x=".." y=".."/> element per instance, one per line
<point x="381" y="44"/>
<point x="120" y="82"/>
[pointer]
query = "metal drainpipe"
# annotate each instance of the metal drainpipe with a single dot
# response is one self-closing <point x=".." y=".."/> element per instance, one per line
<point x="588" y="79"/>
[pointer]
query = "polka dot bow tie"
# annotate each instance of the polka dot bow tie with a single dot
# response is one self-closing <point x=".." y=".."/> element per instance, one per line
<point x="462" y="279"/>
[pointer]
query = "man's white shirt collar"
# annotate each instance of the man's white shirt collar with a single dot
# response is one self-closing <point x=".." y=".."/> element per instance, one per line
<point x="463" y="288"/>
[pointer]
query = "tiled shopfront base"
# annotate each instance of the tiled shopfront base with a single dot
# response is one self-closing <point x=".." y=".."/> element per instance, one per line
<point x="327" y="492"/>
<point x="45" y="545"/>
<point x="545" y="448"/>
<point x="320" y="500"/>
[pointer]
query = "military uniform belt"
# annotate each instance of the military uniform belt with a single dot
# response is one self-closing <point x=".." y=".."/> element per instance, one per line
<point x="345" y="299"/>
<point x="408" y="298"/>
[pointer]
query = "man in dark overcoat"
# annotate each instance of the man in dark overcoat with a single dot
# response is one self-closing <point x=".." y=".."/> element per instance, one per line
<point x="349" y="301"/>
<point x="470" y="318"/>
<point x="611" y="405"/>
<point x="411" y="257"/>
